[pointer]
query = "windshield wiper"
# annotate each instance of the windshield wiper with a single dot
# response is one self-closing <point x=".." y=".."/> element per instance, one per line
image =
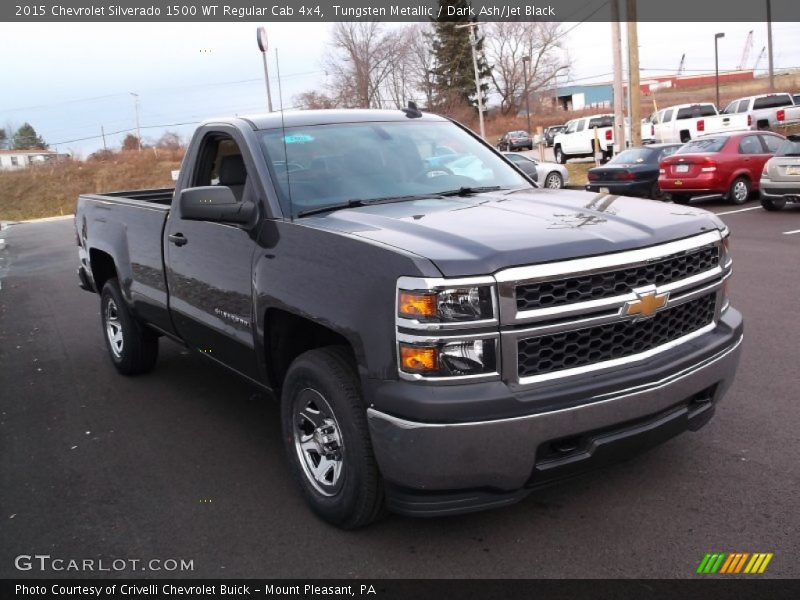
<point x="357" y="202"/>
<point x="468" y="191"/>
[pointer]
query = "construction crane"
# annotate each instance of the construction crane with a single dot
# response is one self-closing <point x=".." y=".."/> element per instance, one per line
<point x="680" y="66"/>
<point x="748" y="47"/>
<point x="760" y="58"/>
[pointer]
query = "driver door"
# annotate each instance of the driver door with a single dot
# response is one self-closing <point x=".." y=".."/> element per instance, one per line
<point x="209" y="264"/>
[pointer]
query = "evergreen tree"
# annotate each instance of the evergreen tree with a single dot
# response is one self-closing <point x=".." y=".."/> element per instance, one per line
<point x="26" y="138"/>
<point x="131" y="142"/>
<point x="3" y="138"/>
<point x="454" y="72"/>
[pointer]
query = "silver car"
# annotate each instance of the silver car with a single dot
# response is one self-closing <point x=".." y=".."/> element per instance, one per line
<point x="546" y="174"/>
<point x="780" y="179"/>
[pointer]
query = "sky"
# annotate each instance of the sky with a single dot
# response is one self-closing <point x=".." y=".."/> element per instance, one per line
<point x="69" y="80"/>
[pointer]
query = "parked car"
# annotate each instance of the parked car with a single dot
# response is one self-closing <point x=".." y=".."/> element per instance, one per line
<point x="436" y="344"/>
<point x="551" y="132"/>
<point x="547" y="174"/>
<point x="515" y="140"/>
<point x="765" y="111"/>
<point x="684" y="122"/>
<point x="578" y="138"/>
<point x="632" y="172"/>
<point x="726" y="164"/>
<point x="780" y="180"/>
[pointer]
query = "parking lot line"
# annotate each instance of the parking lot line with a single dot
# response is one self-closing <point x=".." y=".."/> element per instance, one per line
<point x="791" y="232"/>
<point x="732" y="212"/>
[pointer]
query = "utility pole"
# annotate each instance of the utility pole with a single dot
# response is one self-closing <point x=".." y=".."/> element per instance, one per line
<point x="633" y="75"/>
<point x="136" y="110"/>
<point x="103" y="133"/>
<point x="616" y="50"/>
<point x="473" y="40"/>
<point x="717" y="37"/>
<point x="525" y="61"/>
<point x="769" y="46"/>
<point x="261" y="35"/>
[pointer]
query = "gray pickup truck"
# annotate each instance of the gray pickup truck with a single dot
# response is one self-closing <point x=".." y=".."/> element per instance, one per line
<point x="442" y="335"/>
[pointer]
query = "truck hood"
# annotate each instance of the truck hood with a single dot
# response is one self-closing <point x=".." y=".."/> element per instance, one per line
<point x="484" y="233"/>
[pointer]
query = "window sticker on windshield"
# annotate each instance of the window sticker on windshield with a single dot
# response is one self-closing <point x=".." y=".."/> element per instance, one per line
<point x="298" y="138"/>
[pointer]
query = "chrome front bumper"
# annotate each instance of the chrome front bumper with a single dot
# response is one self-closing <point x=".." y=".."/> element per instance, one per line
<point x="501" y="454"/>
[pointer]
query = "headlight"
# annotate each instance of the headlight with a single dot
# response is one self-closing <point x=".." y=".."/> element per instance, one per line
<point x="449" y="358"/>
<point x="424" y="303"/>
<point x="725" y="259"/>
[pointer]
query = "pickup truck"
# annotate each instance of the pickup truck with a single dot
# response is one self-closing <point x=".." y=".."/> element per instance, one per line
<point x="765" y="111"/>
<point x="578" y="140"/>
<point x="685" y="122"/>
<point x="438" y="342"/>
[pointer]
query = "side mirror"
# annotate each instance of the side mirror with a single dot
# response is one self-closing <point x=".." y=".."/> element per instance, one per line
<point x="215" y="203"/>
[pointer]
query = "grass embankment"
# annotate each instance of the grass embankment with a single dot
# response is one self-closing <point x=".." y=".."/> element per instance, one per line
<point x="52" y="190"/>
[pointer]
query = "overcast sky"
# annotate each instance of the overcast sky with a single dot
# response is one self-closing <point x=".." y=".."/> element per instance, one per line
<point x="69" y="79"/>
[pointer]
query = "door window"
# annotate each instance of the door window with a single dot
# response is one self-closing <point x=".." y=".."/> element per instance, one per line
<point x="750" y="145"/>
<point x="221" y="163"/>
<point x="772" y="143"/>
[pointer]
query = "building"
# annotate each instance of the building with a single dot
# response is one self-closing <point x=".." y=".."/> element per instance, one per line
<point x="579" y="97"/>
<point x="11" y="160"/>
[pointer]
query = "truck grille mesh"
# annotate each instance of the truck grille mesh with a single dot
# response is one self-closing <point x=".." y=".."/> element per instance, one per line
<point x="582" y="288"/>
<point x="581" y="347"/>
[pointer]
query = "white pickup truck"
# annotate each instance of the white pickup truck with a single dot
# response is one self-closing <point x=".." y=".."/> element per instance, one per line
<point x="765" y="111"/>
<point x="578" y="139"/>
<point x="684" y="122"/>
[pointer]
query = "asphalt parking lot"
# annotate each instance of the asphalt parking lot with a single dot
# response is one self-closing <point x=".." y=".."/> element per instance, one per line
<point x="186" y="463"/>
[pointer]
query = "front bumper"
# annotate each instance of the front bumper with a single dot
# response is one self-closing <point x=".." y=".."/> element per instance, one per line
<point x="434" y="468"/>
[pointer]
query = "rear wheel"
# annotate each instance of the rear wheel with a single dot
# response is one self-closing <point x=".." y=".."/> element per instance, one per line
<point x="680" y="198"/>
<point x="327" y="438"/>
<point x="655" y="192"/>
<point x="739" y="191"/>
<point x="132" y="346"/>
<point x="554" y="181"/>
<point x="773" y="204"/>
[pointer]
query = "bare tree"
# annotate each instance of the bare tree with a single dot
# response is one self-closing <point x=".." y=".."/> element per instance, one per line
<point x="421" y="61"/>
<point x="360" y="63"/>
<point x="507" y="44"/>
<point x="312" y="100"/>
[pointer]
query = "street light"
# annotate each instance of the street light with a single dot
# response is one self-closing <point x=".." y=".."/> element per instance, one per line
<point x="716" y="61"/>
<point x="525" y="61"/>
<point x="473" y="40"/>
<point x="261" y="33"/>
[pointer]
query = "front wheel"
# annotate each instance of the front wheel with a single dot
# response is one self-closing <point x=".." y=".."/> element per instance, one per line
<point x="132" y="346"/>
<point x="561" y="158"/>
<point x="327" y="438"/>
<point x="739" y="191"/>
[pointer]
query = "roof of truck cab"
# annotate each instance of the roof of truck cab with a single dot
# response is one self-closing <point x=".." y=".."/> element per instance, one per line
<point x="303" y="118"/>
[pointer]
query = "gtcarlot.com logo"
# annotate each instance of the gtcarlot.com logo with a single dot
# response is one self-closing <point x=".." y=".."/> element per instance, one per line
<point x="731" y="563"/>
<point x="45" y="562"/>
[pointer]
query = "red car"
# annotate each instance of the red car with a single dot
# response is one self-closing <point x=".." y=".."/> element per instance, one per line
<point x="728" y="164"/>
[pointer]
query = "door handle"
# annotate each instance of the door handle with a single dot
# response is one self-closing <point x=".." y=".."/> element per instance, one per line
<point x="178" y="239"/>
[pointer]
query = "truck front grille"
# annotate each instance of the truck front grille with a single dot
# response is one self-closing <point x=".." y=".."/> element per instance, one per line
<point x="581" y="347"/>
<point x="585" y="287"/>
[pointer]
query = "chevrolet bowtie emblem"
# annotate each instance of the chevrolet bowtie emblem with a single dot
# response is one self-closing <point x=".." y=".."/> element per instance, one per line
<point x="648" y="302"/>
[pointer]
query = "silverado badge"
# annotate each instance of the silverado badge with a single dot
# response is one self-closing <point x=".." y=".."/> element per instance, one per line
<point x="648" y="302"/>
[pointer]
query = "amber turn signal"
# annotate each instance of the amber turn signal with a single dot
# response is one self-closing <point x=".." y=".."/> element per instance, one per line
<point x="417" y="304"/>
<point x="419" y="359"/>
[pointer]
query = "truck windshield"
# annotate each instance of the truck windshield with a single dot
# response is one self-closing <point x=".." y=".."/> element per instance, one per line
<point x="322" y="165"/>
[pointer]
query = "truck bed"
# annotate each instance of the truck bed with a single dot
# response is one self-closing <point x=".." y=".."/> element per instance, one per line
<point x="151" y="196"/>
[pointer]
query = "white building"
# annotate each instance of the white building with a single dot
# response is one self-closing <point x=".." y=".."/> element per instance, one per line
<point x="11" y="160"/>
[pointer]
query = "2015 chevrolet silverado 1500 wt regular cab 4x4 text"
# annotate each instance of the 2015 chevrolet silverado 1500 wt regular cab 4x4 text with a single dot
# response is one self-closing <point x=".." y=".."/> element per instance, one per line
<point x="442" y="335"/>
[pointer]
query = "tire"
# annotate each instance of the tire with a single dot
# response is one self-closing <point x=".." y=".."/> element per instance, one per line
<point x="680" y="198"/>
<point x="739" y="192"/>
<point x="133" y="348"/>
<point x="561" y="158"/>
<point x="554" y="181"/>
<point x="655" y="192"/>
<point x="773" y="204"/>
<point x="327" y="439"/>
